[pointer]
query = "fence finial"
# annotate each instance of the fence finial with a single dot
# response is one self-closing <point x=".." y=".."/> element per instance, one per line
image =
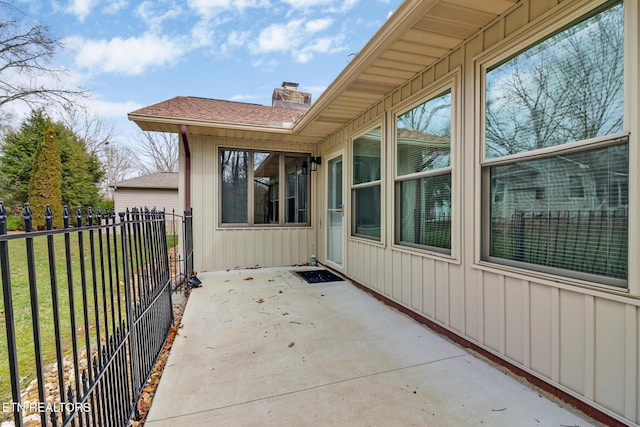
<point x="3" y="218"/>
<point x="65" y="216"/>
<point x="90" y="216"/>
<point x="79" y="216"/>
<point x="28" y="218"/>
<point x="48" y="217"/>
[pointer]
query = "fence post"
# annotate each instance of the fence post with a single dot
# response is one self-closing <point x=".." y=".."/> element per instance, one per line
<point x="35" y="313"/>
<point x="55" y="302"/>
<point x="188" y="244"/>
<point x="9" y="320"/>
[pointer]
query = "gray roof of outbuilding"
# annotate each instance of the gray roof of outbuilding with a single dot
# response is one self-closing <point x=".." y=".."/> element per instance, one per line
<point x="159" y="180"/>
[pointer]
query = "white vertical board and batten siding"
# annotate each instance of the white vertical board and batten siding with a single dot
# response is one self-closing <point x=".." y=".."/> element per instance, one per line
<point x="580" y="339"/>
<point x="240" y="247"/>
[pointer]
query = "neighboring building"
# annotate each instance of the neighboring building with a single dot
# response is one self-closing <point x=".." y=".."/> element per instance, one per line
<point x="476" y="164"/>
<point x="155" y="191"/>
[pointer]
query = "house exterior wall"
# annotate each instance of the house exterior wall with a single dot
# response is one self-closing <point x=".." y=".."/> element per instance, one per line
<point x="582" y="339"/>
<point x="146" y="198"/>
<point x="219" y="247"/>
<point x="160" y="199"/>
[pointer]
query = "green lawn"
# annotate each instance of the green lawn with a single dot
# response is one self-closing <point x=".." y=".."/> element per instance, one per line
<point x="22" y="307"/>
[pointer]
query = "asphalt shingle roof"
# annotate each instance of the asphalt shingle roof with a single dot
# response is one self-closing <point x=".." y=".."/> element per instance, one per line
<point x="216" y="110"/>
<point x="159" y="180"/>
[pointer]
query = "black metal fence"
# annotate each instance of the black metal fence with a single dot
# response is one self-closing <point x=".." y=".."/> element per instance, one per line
<point x="87" y="309"/>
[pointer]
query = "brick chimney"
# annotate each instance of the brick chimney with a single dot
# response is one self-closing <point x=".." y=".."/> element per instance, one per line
<point x="289" y="97"/>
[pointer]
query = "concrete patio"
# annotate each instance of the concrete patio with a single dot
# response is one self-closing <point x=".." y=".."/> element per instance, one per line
<point x="262" y="347"/>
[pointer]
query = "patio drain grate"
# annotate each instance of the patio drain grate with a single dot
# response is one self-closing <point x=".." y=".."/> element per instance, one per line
<point x="319" y="276"/>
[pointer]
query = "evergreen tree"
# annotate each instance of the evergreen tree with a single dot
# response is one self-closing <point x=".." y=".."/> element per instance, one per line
<point x="45" y="185"/>
<point x="81" y="170"/>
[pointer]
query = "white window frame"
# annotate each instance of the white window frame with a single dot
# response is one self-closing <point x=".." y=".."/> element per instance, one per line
<point x="450" y="82"/>
<point x="282" y="197"/>
<point x="369" y="184"/>
<point x="498" y="54"/>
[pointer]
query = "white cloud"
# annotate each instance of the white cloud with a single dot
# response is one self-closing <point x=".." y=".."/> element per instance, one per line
<point x="321" y="45"/>
<point x="327" y="6"/>
<point x="115" y="6"/>
<point x="235" y="39"/>
<point x="129" y="56"/>
<point x="318" y="25"/>
<point x="297" y="37"/>
<point x="305" y="4"/>
<point x="208" y="8"/>
<point x="116" y="110"/>
<point x="202" y="33"/>
<point x="279" y="37"/>
<point x="81" y="8"/>
<point x="154" y="19"/>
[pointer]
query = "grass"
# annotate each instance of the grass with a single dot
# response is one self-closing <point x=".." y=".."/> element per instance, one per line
<point x="73" y="265"/>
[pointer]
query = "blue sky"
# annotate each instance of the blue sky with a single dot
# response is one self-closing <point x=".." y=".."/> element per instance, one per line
<point x="129" y="54"/>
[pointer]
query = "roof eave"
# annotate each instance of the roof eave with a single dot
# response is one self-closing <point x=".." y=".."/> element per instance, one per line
<point x="397" y="23"/>
<point x="143" y="119"/>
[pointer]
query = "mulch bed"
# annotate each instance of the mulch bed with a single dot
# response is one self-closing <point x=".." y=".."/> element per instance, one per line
<point x="149" y="390"/>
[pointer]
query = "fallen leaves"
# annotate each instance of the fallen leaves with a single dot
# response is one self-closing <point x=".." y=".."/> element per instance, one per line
<point x="149" y="390"/>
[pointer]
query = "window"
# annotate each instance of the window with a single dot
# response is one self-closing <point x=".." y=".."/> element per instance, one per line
<point x="423" y="175"/>
<point x="255" y="176"/>
<point x="234" y="182"/>
<point x="576" y="188"/>
<point x="556" y="163"/>
<point x="365" y="190"/>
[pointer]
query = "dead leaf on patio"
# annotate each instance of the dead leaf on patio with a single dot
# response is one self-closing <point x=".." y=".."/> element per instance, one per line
<point x="249" y="278"/>
<point x="291" y="344"/>
<point x="260" y="301"/>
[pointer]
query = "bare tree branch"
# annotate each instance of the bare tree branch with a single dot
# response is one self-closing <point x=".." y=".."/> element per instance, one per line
<point x="95" y="134"/>
<point x="25" y="55"/>
<point x="119" y="163"/>
<point x="158" y="152"/>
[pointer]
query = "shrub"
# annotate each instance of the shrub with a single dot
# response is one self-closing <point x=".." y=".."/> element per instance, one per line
<point x="14" y="223"/>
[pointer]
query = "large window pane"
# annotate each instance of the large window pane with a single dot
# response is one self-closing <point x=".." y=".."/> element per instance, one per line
<point x="366" y="212"/>
<point x="425" y="211"/>
<point x="266" y="167"/>
<point x="566" y="211"/>
<point x="424" y="137"/>
<point x="562" y="210"/>
<point x="234" y="192"/>
<point x="567" y="88"/>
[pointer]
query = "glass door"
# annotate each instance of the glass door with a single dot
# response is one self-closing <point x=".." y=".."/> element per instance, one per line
<point x="335" y="211"/>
